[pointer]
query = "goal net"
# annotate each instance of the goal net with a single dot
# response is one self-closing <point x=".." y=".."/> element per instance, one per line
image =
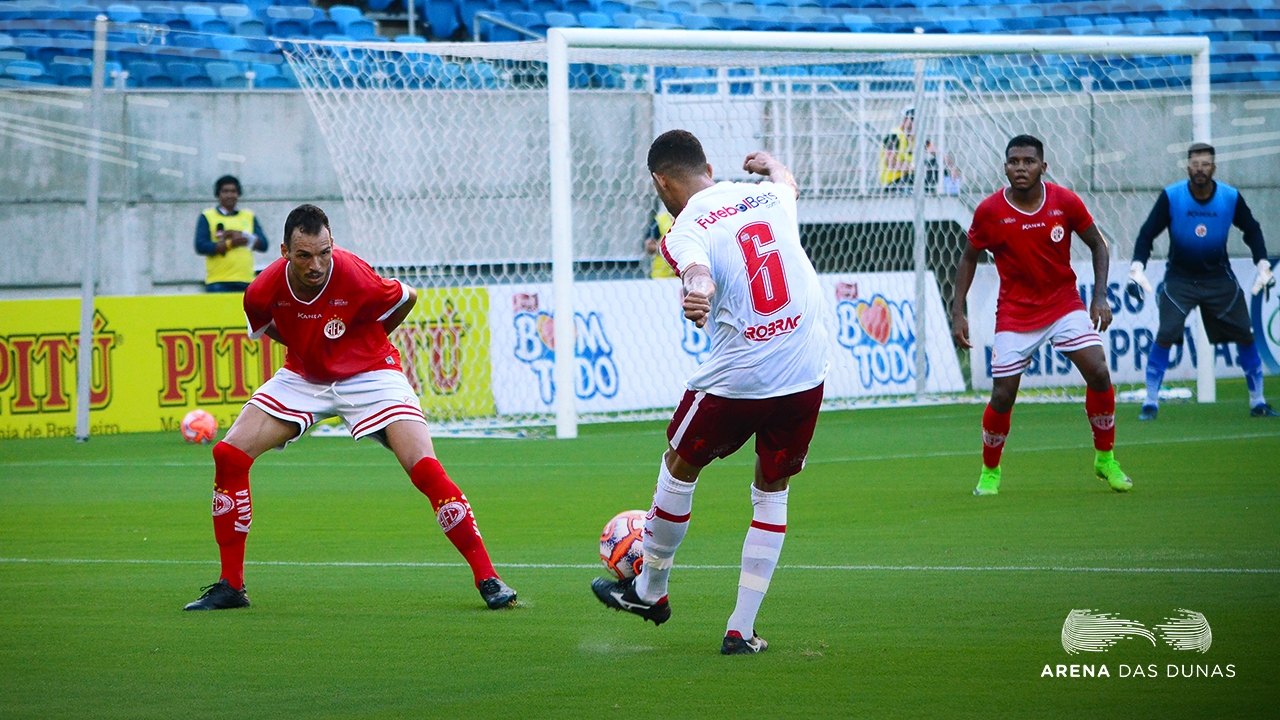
<point x="508" y="181"/>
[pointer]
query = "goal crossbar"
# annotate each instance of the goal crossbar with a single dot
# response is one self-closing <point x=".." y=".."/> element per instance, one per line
<point x="560" y="41"/>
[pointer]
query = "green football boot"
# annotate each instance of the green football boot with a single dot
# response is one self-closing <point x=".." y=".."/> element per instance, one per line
<point x="1108" y="470"/>
<point x="988" y="482"/>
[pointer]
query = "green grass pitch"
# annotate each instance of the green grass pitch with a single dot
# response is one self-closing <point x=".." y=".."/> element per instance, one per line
<point x="900" y="595"/>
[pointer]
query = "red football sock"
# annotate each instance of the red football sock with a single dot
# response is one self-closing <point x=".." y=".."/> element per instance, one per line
<point x="1101" y="407"/>
<point x="995" y="428"/>
<point x="232" y="509"/>
<point x="453" y="512"/>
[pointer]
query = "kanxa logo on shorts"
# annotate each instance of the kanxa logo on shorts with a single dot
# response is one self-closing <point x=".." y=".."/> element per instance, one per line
<point x="334" y="328"/>
<point x="222" y="503"/>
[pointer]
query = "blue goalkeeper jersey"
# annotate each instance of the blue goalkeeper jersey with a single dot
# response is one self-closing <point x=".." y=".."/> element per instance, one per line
<point x="1198" y="230"/>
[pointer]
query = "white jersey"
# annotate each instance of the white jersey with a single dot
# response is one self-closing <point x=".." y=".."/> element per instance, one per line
<point x="767" y="332"/>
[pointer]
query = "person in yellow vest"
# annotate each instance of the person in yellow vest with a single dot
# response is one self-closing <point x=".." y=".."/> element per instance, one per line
<point x="897" y="161"/>
<point x="662" y="222"/>
<point x="228" y="237"/>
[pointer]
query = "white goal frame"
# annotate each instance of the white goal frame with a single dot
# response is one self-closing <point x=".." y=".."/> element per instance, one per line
<point x="560" y="40"/>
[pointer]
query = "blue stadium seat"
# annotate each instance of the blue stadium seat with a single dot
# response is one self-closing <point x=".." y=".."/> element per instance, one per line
<point x="542" y="7"/>
<point x="807" y="8"/>
<point x="28" y="71"/>
<point x="217" y="25"/>
<point x="858" y="23"/>
<point x="224" y="74"/>
<point x="530" y="21"/>
<point x="698" y="22"/>
<point x="251" y="28"/>
<point x="712" y="8"/>
<point x="577" y="7"/>
<point x="956" y="25"/>
<point x="345" y="14"/>
<point x="363" y="30"/>
<point x="189" y="75"/>
<point x="662" y="17"/>
<point x="1108" y="25"/>
<point x="121" y="13"/>
<point x="73" y="74"/>
<point x="320" y="27"/>
<point x="560" y="19"/>
<point x="442" y="16"/>
<point x="1078" y="25"/>
<point x="228" y="43"/>
<point x="144" y="73"/>
<point x="1140" y="26"/>
<point x="467" y="10"/>
<point x="679" y="7"/>
<point x="198" y="15"/>
<point x="626" y="19"/>
<point x="160" y="14"/>
<point x="742" y="9"/>
<point x="410" y="39"/>
<point x="773" y="9"/>
<point x="595" y="20"/>
<point x="506" y="7"/>
<point x="986" y="25"/>
<point x="264" y="71"/>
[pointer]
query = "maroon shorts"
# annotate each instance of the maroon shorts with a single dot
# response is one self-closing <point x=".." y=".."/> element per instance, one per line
<point x="706" y="427"/>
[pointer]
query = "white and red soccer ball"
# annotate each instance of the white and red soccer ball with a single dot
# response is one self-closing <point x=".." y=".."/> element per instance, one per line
<point x="622" y="544"/>
<point x="199" y="426"/>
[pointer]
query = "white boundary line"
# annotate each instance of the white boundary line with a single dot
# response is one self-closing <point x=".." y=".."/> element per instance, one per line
<point x="569" y="566"/>
<point x="1083" y="445"/>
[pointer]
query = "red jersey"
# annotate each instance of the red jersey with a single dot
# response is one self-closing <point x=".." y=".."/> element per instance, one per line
<point x="339" y="333"/>
<point x="1033" y="256"/>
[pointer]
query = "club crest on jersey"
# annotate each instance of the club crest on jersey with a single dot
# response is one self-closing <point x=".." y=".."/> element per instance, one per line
<point x="1057" y="233"/>
<point x="450" y="515"/>
<point x="1201" y="230"/>
<point x="222" y="503"/>
<point x="334" y="328"/>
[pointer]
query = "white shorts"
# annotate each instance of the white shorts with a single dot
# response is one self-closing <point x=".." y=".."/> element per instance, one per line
<point x="1011" y="352"/>
<point x="367" y="402"/>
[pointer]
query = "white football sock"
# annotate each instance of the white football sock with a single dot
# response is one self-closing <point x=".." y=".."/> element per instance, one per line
<point x="760" y="554"/>
<point x="664" y="528"/>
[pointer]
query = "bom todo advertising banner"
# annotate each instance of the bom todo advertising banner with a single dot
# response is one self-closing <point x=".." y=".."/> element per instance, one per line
<point x="157" y="357"/>
<point x="1128" y="340"/>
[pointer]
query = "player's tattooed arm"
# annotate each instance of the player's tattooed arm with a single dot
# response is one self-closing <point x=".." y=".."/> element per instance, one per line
<point x="698" y="289"/>
<point x="964" y="278"/>
<point x="762" y="163"/>
<point x="394" y="319"/>
<point x="1100" y="308"/>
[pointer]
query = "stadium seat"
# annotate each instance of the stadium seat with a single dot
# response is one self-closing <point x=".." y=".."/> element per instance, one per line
<point x="410" y="39"/>
<point x="345" y="14"/>
<point x="807" y="8"/>
<point x="121" y="13"/>
<point x="221" y="72"/>
<point x="698" y="22"/>
<point x="595" y="20"/>
<point x="643" y="6"/>
<point x="712" y="8"/>
<point x="228" y="43"/>
<point x="198" y="15"/>
<point x="160" y="14"/>
<point x="986" y="25"/>
<point x="363" y="30"/>
<point x="542" y="7"/>
<point x="467" y="10"/>
<point x="858" y="23"/>
<point x="442" y="16"/>
<point x="530" y="21"/>
<point x="28" y="71"/>
<point x="662" y="17"/>
<point x="217" y="26"/>
<point x="560" y="19"/>
<point x="251" y="28"/>
<point x="626" y="20"/>
<point x="73" y="72"/>
<point x="577" y="7"/>
<point x="189" y="75"/>
<point x="678" y="7"/>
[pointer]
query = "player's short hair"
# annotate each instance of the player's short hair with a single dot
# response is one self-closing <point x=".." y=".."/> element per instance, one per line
<point x="677" y="152"/>
<point x="226" y="180"/>
<point x="1025" y="141"/>
<point x="307" y="218"/>
<point x="1199" y="148"/>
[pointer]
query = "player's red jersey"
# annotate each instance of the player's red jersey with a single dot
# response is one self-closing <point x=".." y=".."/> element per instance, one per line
<point x="1033" y="256"/>
<point x="338" y="334"/>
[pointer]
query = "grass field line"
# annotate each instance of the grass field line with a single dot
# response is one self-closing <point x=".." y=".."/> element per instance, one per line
<point x="571" y="566"/>
<point x="1084" y="444"/>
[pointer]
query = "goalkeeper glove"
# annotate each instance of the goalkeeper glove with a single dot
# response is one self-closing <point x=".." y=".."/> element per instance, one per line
<point x="1138" y="282"/>
<point x="1265" y="279"/>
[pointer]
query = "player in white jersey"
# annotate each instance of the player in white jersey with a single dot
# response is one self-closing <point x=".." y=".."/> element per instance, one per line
<point x="737" y="249"/>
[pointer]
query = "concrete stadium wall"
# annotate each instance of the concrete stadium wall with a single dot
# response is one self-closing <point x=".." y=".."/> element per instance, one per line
<point x="163" y="150"/>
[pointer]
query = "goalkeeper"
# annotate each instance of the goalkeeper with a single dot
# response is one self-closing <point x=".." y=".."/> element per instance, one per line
<point x="1198" y="213"/>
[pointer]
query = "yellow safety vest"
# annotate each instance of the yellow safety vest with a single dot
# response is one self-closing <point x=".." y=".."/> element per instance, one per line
<point x="660" y="267"/>
<point x="904" y="154"/>
<point x="237" y="264"/>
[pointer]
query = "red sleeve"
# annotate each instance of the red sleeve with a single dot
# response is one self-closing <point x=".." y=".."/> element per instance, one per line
<point x="978" y="235"/>
<point x="1076" y="212"/>
<point x="380" y="296"/>
<point x="257" y="310"/>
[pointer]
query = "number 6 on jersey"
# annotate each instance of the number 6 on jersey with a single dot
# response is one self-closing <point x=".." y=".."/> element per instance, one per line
<point x="768" y="281"/>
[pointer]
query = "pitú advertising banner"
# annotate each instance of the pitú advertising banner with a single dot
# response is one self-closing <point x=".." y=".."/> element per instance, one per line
<point x="157" y="357"/>
<point x="1128" y="340"/>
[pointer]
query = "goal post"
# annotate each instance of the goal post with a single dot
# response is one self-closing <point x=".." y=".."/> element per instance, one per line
<point x="508" y="180"/>
<point x="561" y="40"/>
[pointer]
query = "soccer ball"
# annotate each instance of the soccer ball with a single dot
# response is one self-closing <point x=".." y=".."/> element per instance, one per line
<point x="622" y="544"/>
<point x="199" y="426"/>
